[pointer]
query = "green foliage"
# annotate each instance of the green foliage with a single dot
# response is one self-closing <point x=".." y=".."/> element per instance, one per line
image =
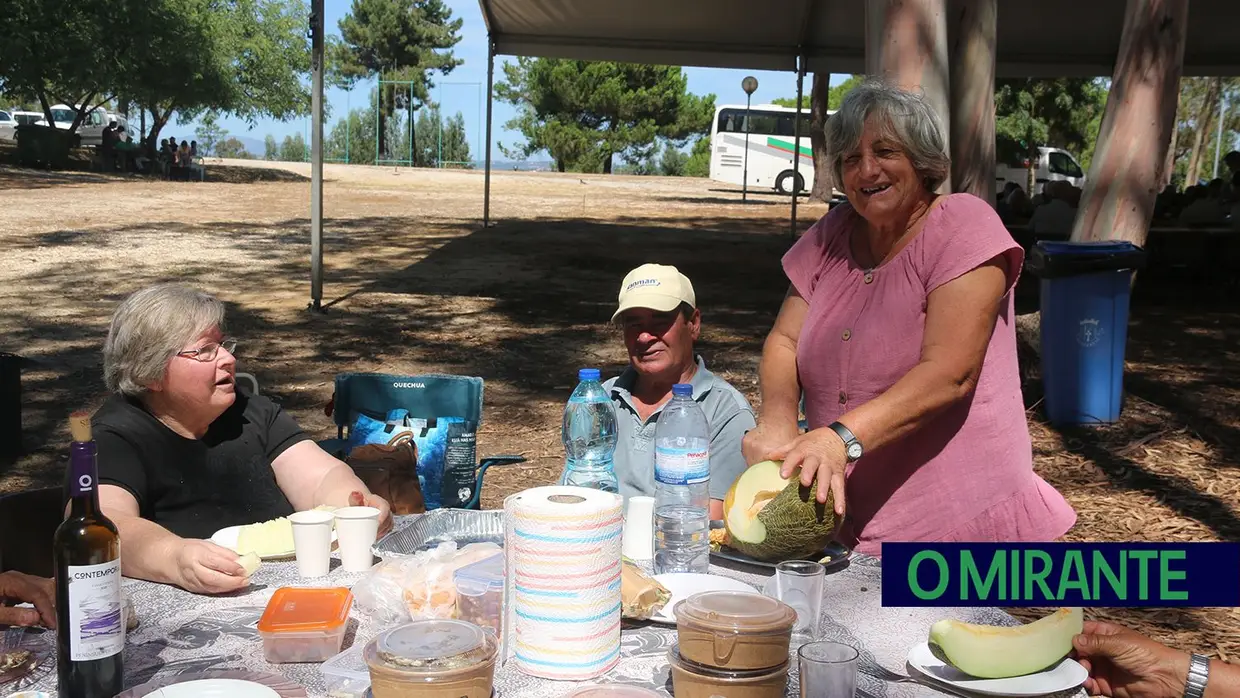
<point x="673" y="161"/>
<point x="584" y="112"/>
<point x="403" y="40"/>
<point x="293" y="149"/>
<point x="1060" y="113"/>
<point x="209" y="133"/>
<point x="231" y="147"/>
<point x="834" y="97"/>
<point x="1199" y="111"/>
<point x="435" y="146"/>
<point x="271" y="149"/>
<point x="698" y="164"/>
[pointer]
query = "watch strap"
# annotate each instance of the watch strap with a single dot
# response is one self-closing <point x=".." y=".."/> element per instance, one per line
<point x="1198" y="675"/>
<point x="846" y="434"/>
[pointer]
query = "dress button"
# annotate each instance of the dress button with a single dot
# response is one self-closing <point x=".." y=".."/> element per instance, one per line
<point x="847" y="335"/>
<point x="869" y="277"/>
<point x="843" y="397"/>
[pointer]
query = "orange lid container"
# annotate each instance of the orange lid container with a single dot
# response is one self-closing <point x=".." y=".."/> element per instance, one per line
<point x="306" y="610"/>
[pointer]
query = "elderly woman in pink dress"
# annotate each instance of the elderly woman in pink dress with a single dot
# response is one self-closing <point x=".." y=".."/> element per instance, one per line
<point x="899" y="331"/>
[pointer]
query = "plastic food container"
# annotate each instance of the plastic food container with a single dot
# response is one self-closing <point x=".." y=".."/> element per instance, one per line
<point x="480" y="593"/>
<point x="432" y="658"/>
<point x="734" y="630"/>
<point x="346" y="675"/>
<point x="304" y="624"/>
<point x="691" y="680"/>
<point x="614" y="690"/>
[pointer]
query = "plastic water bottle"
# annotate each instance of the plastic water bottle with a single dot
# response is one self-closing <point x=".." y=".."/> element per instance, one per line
<point x="589" y="435"/>
<point x="682" y="486"/>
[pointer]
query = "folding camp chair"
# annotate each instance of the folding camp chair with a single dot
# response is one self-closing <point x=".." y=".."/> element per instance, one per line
<point x="431" y="396"/>
<point x="28" y="522"/>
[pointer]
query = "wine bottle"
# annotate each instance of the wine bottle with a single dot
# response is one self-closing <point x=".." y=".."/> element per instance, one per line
<point x="90" y="630"/>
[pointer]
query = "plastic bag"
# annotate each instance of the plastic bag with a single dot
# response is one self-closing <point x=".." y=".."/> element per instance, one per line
<point x="420" y="586"/>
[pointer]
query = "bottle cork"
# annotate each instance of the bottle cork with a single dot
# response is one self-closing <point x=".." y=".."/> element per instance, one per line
<point x="79" y="426"/>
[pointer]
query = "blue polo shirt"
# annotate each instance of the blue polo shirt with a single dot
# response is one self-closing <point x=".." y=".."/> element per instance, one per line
<point x="727" y="412"/>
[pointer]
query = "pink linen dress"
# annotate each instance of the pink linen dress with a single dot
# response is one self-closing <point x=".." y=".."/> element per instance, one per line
<point x="967" y="475"/>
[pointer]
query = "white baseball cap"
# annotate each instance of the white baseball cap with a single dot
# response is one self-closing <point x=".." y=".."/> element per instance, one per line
<point x="655" y="286"/>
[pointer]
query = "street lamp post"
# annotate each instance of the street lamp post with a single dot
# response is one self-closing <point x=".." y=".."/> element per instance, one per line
<point x="749" y="85"/>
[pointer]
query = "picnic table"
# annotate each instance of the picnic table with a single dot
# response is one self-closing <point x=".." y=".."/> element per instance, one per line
<point x="184" y="634"/>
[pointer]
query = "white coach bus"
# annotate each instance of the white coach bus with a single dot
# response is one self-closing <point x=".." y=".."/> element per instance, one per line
<point x="771" y="147"/>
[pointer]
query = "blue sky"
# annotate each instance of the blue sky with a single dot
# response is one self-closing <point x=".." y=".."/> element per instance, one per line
<point x="470" y="99"/>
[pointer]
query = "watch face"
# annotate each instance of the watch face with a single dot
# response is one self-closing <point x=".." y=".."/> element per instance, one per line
<point x="854" y="451"/>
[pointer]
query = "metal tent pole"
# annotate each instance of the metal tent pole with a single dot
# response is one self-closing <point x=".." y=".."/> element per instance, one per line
<point x="486" y="196"/>
<point x="316" y="158"/>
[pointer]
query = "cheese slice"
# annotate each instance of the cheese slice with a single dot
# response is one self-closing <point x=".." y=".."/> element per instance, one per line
<point x="266" y="539"/>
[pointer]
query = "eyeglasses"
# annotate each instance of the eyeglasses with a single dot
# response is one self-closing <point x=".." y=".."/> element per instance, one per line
<point x="208" y="352"/>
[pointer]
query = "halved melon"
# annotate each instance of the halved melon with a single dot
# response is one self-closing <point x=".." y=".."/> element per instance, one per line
<point x="994" y="652"/>
<point x="772" y="518"/>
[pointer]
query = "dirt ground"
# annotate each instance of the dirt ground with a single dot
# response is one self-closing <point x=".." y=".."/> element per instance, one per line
<point x="415" y="284"/>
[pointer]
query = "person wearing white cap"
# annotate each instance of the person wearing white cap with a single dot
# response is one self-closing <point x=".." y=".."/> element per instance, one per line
<point x="661" y="321"/>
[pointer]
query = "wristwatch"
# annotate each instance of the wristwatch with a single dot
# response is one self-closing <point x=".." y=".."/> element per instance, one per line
<point x="852" y="447"/>
<point x="1198" y="674"/>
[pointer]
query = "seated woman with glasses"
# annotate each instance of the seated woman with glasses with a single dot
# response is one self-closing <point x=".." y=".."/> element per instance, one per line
<point x="184" y="453"/>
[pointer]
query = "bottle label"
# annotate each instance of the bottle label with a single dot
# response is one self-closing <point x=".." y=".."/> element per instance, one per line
<point x="96" y="630"/>
<point x="681" y="466"/>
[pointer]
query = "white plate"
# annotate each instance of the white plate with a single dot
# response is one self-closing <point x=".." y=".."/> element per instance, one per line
<point x="214" y="688"/>
<point x="686" y="584"/>
<point x="227" y="538"/>
<point x="1065" y="675"/>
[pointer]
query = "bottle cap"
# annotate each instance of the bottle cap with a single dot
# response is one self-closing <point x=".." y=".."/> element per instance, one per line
<point x="588" y="374"/>
<point x="682" y="390"/>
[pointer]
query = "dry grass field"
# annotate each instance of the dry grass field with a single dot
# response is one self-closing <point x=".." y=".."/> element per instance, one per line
<point x="415" y="284"/>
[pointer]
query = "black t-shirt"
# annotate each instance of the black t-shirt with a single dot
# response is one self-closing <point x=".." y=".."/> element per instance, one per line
<point x="195" y="487"/>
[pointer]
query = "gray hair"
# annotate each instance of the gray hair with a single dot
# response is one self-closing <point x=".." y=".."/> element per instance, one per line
<point x="149" y="328"/>
<point x="905" y="117"/>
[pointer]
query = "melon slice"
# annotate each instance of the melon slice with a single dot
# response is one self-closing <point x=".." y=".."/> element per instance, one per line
<point x="773" y="518"/>
<point x="250" y="562"/>
<point x="994" y="652"/>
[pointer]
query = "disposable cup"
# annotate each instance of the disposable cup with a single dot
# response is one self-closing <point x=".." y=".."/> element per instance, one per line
<point x="638" y="540"/>
<point x="357" y="528"/>
<point x="312" y="541"/>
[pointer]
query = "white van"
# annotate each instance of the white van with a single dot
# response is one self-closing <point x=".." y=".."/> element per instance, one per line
<point x="1053" y="164"/>
<point x="91" y="129"/>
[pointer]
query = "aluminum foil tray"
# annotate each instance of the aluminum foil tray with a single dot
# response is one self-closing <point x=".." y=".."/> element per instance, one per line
<point x="440" y="526"/>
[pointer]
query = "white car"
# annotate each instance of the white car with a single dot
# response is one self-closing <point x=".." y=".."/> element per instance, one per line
<point x="8" y="126"/>
<point x="1053" y="164"/>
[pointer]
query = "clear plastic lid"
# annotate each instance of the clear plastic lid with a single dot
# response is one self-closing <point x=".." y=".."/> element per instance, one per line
<point x="433" y="644"/>
<point x="735" y="611"/>
<point x="613" y="690"/>
<point x="306" y="610"/>
<point x="481" y="576"/>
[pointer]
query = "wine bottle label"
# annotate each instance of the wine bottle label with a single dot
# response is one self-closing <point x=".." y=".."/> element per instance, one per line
<point x="95" y="627"/>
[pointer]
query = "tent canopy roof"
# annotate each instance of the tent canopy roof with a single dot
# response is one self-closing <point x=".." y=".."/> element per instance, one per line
<point x="1048" y="38"/>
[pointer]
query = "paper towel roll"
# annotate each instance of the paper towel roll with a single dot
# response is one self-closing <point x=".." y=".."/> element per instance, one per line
<point x="563" y="581"/>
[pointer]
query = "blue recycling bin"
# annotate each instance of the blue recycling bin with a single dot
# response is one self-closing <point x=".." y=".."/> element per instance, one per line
<point x="1085" y="296"/>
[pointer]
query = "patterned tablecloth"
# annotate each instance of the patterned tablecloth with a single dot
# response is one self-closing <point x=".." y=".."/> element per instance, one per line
<point x="183" y="634"/>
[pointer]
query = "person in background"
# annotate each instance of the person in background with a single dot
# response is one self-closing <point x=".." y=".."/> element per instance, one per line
<point x="1123" y="663"/>
<point x="1057" y="214"/>
<point x="660" y="319"/>
<point x="183" y="156"/>
<point x="1208" y="208"/>
<point x="16" y="588"/>
<point x="184" y="452"/>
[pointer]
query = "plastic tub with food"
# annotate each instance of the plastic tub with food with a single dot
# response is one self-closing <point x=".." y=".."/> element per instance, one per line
<point x="480" y="593"/>
<point x="692" y="680"/>
<point x="304" y="624"/>
<point x="432" y="658"/>
<point x="734" y="630"/>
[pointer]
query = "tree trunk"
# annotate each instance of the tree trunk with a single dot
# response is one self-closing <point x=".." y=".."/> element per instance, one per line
<point x="906" y="42"/>
<point x="1169" y="163"/>
<point x="972" y="78"/>
<point x="1204" y="122"/>
<point x="824" y="181"/>
<point x="1118" y="201"/>
<point x="607" y="163"/>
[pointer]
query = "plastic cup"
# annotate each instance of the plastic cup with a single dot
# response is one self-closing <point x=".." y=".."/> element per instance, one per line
<point x="357" y="529"/>
<point x="799" y="583"/>
<point x="638" y="541"/>
<point x="828" y="670"/>
<point x="312" y="541"/>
